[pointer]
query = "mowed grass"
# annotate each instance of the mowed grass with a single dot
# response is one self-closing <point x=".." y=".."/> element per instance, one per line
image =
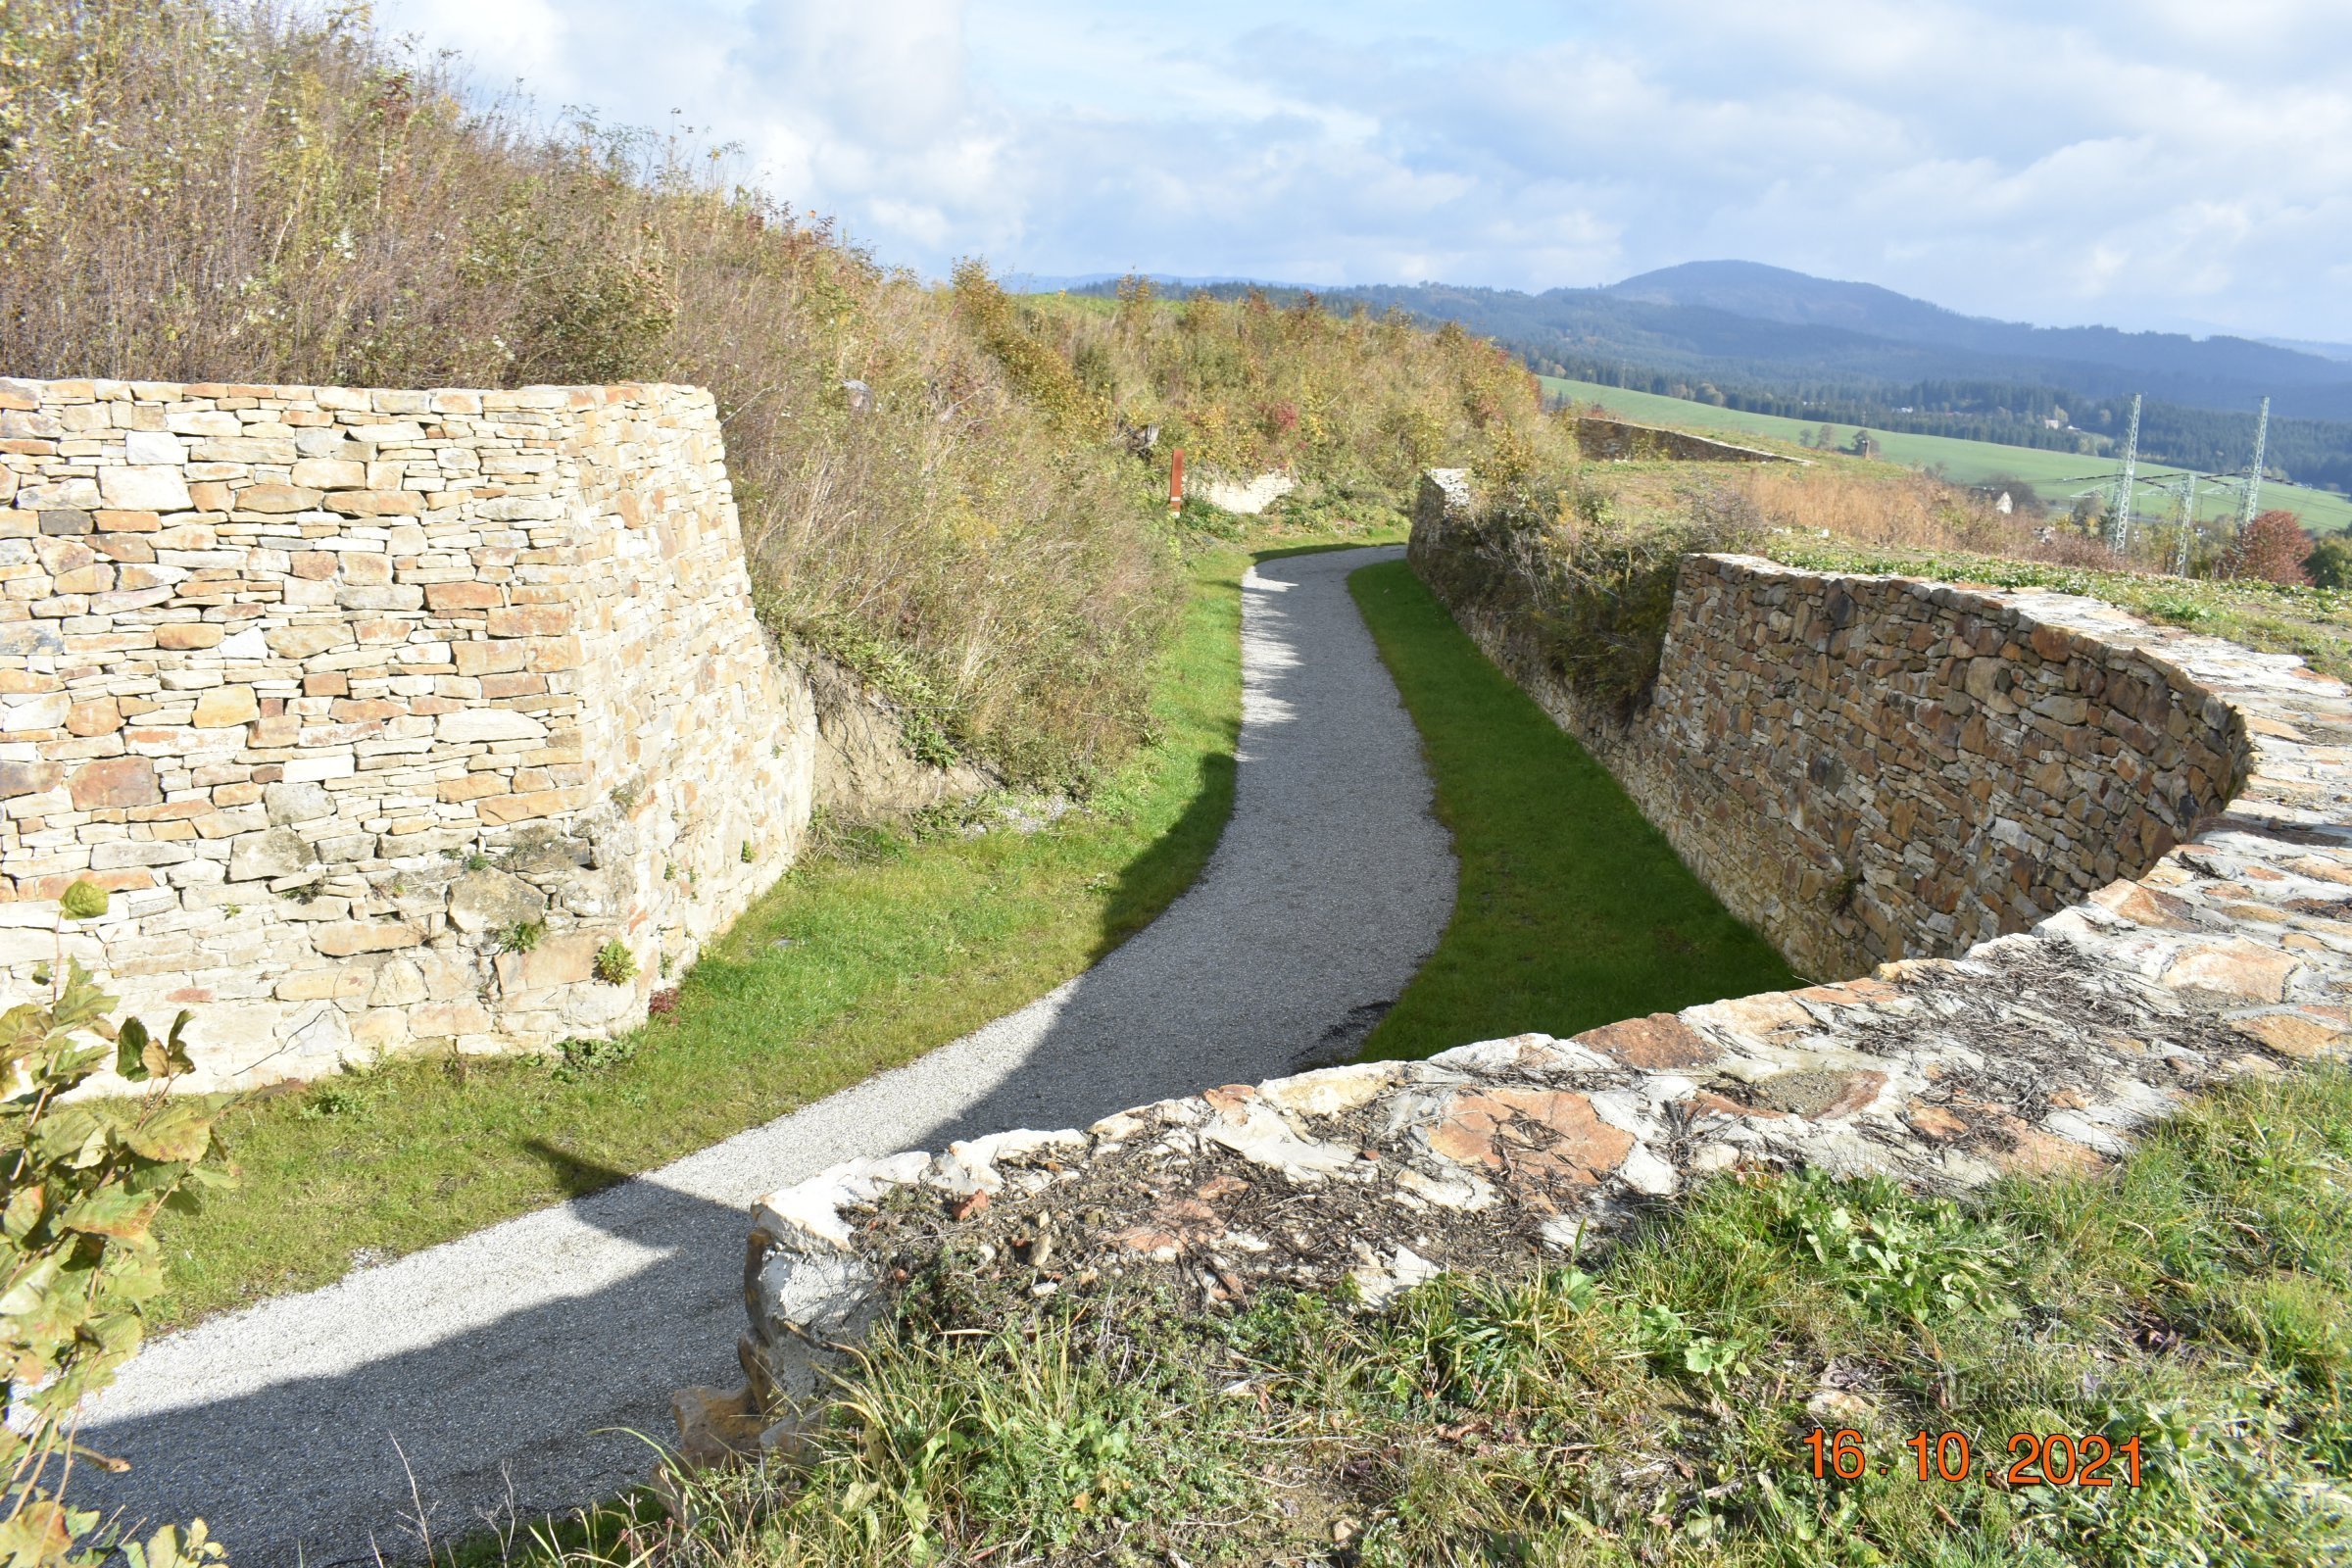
<point x="2055" y="475"/>
<point x="857" y="961"/>
<point x="1573" y="910"/>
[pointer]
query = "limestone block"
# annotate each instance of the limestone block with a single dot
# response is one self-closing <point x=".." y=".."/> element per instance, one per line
<point x="144" y="488"/>
<point x="471" y="725"/>
<point x="268" y="855"/>
<point x="275" y="498"/>
<point x="225" y="705"/>
<point x="492" y="900"/>
<point x="116" y="782"/>
<point x="558" y="960"/>
<point x="342" y="941"/>
<point x="46" y="712"/>
<point x="153" y="447"/>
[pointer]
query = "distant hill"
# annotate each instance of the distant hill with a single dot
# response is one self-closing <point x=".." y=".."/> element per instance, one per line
<point x="2325" y="351"/>
<point x="2234" y="367"/>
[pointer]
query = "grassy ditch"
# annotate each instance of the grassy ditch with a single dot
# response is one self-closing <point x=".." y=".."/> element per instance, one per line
<point x="865" y="956"/>
<point x="2193" y="1300"/>
<point x="1573" y="910"/>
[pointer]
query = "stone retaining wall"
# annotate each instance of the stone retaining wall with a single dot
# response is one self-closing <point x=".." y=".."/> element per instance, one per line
<point x="2038" y="1052"/>
<point x="1867" y="769"/>
<point x="378" y="714"/>
<point x="1612" y="440"/>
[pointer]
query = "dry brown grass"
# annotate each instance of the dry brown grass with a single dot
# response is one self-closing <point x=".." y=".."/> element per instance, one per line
<point x="1908" y="510"/>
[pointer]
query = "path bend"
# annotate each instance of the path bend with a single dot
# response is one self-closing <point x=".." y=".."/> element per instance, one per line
<point x="504" y="1370"/>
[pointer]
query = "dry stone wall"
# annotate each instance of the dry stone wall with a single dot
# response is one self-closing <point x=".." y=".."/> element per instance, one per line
<point x="2043" y="1051"/>
<point x="1614" y="440"/>
<point x="1867" y="768"/>
<point x="378" y="714"/>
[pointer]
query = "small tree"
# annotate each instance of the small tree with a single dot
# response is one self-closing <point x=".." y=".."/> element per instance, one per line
<point x="78" y="1264"/>
<point x="1865" y="445"/>
<point x="2330" y="564"/>
<point x="2272" y="549"/>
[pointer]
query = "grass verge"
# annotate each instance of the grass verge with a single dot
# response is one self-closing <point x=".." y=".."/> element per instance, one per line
<point x="2188" y="1308"/>
<point x="1573" y="910"/>
<point x="860" y="959"/>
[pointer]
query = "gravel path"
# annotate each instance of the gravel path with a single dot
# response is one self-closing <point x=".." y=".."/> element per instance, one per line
<point x="506" y="1369"/>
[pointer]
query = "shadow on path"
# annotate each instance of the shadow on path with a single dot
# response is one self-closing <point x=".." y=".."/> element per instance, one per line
<point x="506" y="1369"/>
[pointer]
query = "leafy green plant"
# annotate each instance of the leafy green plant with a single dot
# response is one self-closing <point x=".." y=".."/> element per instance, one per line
<point x="522" y="936"/>
<point x="578" y="1058"/>
<point x="84" y="899"/>
<point x="614" y="964"/>
<point x="86" y="1181"/>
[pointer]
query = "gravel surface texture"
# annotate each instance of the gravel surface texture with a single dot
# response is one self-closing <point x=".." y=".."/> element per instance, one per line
<point x="509" y="1369"/>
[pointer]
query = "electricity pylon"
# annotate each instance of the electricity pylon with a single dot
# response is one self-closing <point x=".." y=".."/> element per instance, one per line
<point x="2261" y="441"/>
<point x="2119" y="506"/>
<point x="2184" y="485"/>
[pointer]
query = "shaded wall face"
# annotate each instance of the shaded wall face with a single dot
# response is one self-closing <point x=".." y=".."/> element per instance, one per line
<point x="378" y="714"/>
<point x="1869" y="768"/>
<point x="1911" y="769"/>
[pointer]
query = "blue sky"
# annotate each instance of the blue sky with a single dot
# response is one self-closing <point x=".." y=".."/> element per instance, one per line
<point x="2175" y="163"/>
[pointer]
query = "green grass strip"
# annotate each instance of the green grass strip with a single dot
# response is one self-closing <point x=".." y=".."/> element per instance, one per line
<point x="856" y="962"/>
<point x="1573" y="910"/>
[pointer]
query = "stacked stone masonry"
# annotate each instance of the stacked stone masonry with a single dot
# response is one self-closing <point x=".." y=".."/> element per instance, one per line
<point x="378" y="714"/>
<point x="1867" y="768"/>
<point x="2041" y="1052"/>
<point x="1613" y="440"/>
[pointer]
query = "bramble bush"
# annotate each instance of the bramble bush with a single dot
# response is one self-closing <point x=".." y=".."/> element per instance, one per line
<point x="85" y="1180"/>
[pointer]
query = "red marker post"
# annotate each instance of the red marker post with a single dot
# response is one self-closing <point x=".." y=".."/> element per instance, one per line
<point x="1176" y="483"/>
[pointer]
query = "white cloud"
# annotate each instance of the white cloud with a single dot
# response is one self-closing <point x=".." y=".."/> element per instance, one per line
<point x="2142" y="162"/>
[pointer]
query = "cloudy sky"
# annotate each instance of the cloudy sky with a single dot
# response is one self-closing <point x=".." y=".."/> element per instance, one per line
<point x="2175" y="164"/>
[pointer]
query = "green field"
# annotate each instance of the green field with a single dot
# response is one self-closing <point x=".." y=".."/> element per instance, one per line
<point x="2054" y="476"/>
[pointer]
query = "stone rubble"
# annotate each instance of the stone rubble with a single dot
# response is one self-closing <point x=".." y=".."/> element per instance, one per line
<point x="2039" y="1051"/>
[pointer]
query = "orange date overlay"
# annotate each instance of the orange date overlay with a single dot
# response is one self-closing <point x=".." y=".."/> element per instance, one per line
<point x="2035" y="1459"/>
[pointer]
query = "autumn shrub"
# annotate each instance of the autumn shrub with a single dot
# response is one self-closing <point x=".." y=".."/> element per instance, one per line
<point x="2271" y="548"/>
<point x="251" y="191"/>
<point x="84" y="1182"/>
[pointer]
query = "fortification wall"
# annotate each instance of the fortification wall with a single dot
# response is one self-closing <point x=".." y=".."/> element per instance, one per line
<point x="2043" y="1051"/>
<point x="1867" y="768"/>
<point x="1608" y="440"/>
<point x="378" y="714"/>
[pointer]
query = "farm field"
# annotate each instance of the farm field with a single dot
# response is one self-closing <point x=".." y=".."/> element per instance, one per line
<point x="2054" y="475"/>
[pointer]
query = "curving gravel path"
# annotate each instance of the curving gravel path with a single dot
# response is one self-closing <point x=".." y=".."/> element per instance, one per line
<point x="506" y="1369"/>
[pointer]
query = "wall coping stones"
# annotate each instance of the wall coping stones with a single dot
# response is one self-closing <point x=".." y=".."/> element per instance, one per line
<point x="2043" y="1051"/>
